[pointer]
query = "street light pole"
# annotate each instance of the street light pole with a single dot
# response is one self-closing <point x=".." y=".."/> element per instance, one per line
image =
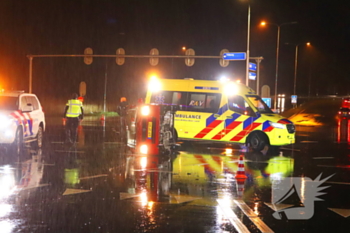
<point x="247" y="58"/>
<point x="30" y="73"/>
<point x="295" y="68"/>
<point x="105" y="90"/>
<point x="258" y="60"/>
<point x="296" y="64"/>
<point x="277" y="53"/>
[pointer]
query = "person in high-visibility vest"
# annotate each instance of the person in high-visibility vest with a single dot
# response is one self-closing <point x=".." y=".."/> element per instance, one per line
<point x="73" y="114"/>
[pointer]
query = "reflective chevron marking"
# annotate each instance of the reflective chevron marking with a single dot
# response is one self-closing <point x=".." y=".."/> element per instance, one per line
<point x="207" y="129"/>
<point x="230" y="124"/>
<point x="211" y="123"/>
<point x="215" y="164"/>
<point x="244" y="132"/>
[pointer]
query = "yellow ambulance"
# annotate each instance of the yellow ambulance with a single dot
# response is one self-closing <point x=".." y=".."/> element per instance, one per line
<point x="227" y="112"/>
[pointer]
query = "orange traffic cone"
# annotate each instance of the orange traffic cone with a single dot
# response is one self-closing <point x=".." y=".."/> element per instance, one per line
<point x="64" y="121"/>
<point x="103" y="117"/>
<point x="240" y="173"/>
<point x="240" y="187"/>
<point x="240" y="177"/>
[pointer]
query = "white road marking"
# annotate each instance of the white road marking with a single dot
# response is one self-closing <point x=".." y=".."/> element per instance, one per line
<point x="323" y="157"/>
<point x="277" y="207"/>
<point x="253" y="217"/>
<point x="343" y="212"/>
<point x="75" y="191"/>
<point x="90" y="177"/>
<point x="332" y="182"/>
<point x="37" y="186"/>
<point x="232" y="217"/>
<point x="123" y="196"/>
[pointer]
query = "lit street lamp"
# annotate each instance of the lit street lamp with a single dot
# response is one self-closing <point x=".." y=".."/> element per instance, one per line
<point x="277" y="53"/>
<point x="296" y="64"/>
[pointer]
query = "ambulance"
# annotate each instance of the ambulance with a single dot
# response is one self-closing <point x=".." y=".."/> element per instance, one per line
<point x="216" y="111"/>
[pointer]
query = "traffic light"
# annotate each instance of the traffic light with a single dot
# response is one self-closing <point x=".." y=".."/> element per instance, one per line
<point x="88" y="59"/>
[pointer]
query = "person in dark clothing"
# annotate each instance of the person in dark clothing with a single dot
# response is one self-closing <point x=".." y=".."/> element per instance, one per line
<point x="73" y="114"/>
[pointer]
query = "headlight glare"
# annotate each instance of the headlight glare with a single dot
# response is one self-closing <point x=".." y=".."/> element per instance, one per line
<point x="145" y="110"/>
<point x="5" y="121"/>
<point x="230" y="89"/>
<point x="277" y="125"/>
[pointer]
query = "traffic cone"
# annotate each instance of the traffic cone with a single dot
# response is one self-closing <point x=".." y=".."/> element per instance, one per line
<point x="240" y="173"/>
<point x="240" y="177"/>
<point x="64" y="121"/>
<point x="240" y="187"/>
<point x="103" y="117"/>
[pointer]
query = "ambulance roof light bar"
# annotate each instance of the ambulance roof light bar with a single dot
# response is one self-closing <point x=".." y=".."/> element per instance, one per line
<point x="230" y="89"/>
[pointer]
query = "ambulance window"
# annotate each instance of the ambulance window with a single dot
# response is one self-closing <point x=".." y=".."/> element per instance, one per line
<point x="196" y="102"/>
<point x="212" y="103"/>
<point x="259" y="104"/>
<point x="169" y="98"/>
<point x="179" y="98"/>
<point x="237" y="104"/>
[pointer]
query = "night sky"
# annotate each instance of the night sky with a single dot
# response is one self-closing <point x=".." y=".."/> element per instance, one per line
<point x="207" y="26"/>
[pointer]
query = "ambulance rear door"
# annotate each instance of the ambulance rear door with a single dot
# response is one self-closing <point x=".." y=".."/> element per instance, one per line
<point x="173" y="98"/>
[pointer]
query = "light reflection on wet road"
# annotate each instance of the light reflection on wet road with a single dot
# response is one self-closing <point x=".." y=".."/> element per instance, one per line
<point x="101" y="186"/>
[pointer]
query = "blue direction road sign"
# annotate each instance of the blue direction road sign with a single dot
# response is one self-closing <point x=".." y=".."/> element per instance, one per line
<point x="252" y="66"/>
<point x="267" y="101"/>
<point x="294" y="99"/>
<point x="252" y="76"/>
<point x="234" y="56"/>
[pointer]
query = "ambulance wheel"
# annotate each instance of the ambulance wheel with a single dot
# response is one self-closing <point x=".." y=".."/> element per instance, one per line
<point x="257" y="141"/>
<point x="17" y="145"/>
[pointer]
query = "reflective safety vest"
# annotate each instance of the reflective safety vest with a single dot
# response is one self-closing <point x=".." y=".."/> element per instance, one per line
<point x="74" y="108"/>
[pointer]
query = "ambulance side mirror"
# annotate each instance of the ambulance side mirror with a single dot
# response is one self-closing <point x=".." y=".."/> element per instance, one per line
<point x="27" y="108"/>
<point x="250" y="111"/>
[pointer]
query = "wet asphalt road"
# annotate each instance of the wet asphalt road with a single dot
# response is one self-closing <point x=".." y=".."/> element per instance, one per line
<point x="100" y="185"/>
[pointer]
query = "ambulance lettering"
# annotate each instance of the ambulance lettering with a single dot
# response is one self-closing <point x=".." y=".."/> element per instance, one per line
<point x="188" y="116"/>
